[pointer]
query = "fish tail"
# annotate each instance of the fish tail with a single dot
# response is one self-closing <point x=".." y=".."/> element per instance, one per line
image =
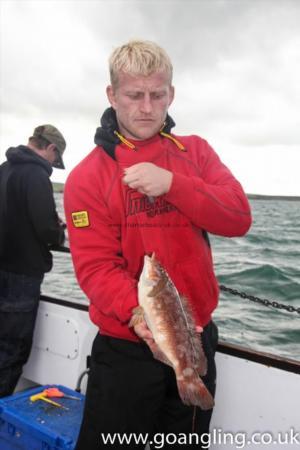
<point x="193" y="391"/>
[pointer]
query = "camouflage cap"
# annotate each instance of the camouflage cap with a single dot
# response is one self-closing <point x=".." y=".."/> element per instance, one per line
<point x="54" y="136"/>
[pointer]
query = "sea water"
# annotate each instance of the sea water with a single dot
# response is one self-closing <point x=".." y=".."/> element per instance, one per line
<point x="264" y="263"/>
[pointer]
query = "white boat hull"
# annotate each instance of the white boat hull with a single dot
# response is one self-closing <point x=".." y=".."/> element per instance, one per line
<point x="254" y="402"/>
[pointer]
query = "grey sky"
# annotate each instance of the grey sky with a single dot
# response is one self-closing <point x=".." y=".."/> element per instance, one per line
<point x="236" y="75"/>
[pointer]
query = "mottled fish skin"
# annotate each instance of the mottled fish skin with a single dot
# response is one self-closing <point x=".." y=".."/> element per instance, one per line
<point x="170" y="319"/>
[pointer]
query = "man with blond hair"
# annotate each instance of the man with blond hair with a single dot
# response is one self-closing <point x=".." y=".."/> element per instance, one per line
<point x="144" y="190"/>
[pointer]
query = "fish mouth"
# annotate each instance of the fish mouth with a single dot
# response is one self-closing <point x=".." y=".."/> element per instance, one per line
<point x="151" y="262"/>
<point x="149" y="269"/>
<point x="154" y="277"/>
<point x="146" y="275"/>
<point x="150" y="272"/>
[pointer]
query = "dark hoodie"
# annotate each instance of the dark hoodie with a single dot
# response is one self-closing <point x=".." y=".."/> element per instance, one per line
<point x="106" y="134"/>
<point x="28" y="218"/>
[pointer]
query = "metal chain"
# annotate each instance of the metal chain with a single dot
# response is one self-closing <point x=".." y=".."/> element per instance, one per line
<point x="264" y="302"/>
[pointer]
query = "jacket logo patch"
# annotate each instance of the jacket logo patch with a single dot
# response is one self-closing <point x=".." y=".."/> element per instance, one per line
<point x="137" y="203"/>
<point x="80" y="219"/>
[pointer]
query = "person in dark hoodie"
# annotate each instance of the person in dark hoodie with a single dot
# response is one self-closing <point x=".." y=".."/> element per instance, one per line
<point x="145" y="190"/>
<point x="29" y="225"/>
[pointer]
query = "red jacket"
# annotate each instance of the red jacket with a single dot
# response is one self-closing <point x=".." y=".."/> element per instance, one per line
<point x="113" y="226"/>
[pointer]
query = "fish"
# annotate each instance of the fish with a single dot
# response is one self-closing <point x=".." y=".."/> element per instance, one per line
<point x="170" y="318"/>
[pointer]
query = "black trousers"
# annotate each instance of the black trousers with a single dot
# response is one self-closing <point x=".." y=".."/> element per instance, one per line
<point x="19" y="298"/>
<point x="130" y="392"/>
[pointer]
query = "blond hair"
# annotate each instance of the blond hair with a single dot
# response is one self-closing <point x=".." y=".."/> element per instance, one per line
<point x="139" y="58"/>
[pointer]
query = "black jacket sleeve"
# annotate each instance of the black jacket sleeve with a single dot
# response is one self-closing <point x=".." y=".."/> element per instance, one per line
<point x="42" y="210"/>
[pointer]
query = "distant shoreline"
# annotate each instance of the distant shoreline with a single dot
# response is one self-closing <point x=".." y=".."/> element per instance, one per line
<point x="59" y="187"/>
<point x="273" y="197"/>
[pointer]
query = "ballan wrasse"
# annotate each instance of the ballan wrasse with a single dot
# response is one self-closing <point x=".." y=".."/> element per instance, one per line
<point x="169" y="317"/>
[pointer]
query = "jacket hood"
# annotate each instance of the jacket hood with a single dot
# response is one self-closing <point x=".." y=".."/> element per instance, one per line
<point x="105" y="135"/>
<point x="24" y="155"/>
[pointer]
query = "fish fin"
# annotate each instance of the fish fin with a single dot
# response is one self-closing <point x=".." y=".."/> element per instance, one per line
<point x="193" y="391"/>
<point x="201" y="365"/>
<point x="194" y="336"/>
<point x="137" y="316"/>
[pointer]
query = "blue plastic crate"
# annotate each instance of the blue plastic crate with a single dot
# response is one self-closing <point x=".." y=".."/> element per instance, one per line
<point x="26" y="425"/>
